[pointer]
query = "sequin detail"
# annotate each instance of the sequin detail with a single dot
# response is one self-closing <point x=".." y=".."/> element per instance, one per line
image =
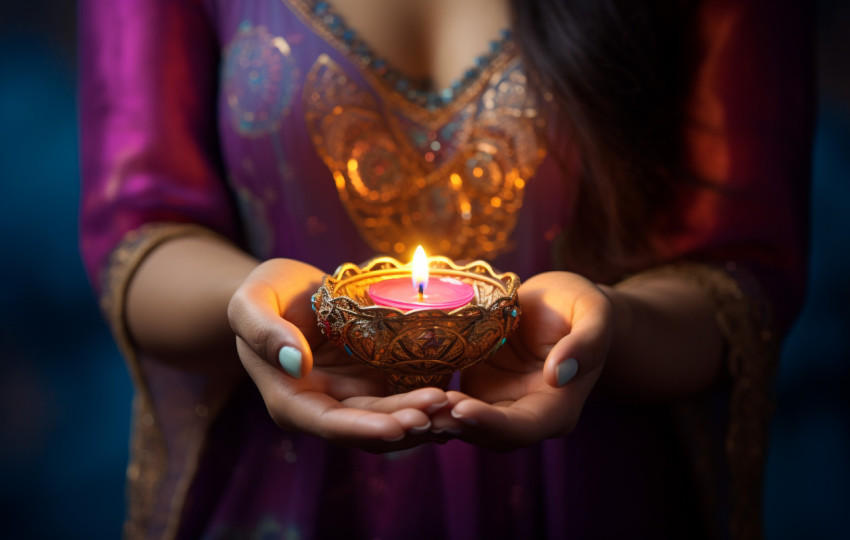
<point x="259" y="80"/>
<point x="453" y="183"/>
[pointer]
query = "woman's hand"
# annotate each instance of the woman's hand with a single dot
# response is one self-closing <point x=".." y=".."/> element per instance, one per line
<point x="536" y="385"/>
<point x="306" y="383"/>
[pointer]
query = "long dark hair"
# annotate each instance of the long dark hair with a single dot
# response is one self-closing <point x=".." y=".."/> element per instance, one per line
<point x="616" y="71"/>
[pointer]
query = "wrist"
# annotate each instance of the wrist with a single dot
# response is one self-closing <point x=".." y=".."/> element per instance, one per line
<point x="624" y="315"/>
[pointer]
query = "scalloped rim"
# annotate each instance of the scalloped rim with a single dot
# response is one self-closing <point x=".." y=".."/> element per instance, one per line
<point x="509" y="281"/>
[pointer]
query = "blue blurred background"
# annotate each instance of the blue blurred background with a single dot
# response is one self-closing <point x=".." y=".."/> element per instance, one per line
<point x="65" y="393"/>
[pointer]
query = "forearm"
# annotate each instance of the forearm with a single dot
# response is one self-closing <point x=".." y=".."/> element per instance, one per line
<point x="667" y="343"/>
<point x="176" y="306"/>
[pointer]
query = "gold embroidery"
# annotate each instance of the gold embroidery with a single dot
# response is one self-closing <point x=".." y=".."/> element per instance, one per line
<point x="454" y="184"/>
<point x="147" y="469"/>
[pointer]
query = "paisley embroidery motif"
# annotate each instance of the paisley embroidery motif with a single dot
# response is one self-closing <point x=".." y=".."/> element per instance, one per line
<point x="259" y="78"/>
<point x="454" y="183"/>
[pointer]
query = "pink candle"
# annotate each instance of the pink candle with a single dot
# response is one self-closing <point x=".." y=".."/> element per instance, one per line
<point x="442" y="293"/>
<point x="419" y="293"/>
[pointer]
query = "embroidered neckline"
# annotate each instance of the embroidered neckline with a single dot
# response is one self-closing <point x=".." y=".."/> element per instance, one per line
<point x="337" y="31"/>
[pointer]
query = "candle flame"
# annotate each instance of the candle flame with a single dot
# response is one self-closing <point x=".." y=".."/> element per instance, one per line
<point x="420" y="270"/>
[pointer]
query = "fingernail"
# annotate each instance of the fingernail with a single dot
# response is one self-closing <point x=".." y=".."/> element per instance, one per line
<point x="421" y="429"/>
<point x="393" y="439"/>
<point x="434" y="407"/>
<point x="566" y="370"/>
<point x="290" y="361"/>
<point x="465" y="420"/>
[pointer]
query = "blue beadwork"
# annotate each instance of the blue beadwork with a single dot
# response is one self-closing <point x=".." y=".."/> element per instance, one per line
<point x="432" y="99"/>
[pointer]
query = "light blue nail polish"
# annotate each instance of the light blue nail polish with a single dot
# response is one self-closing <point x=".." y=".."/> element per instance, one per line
<point x="566" y="370"/>
<point x="290" y="360"/>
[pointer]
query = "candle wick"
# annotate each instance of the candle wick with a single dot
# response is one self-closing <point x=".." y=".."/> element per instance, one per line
<point x="421" y="292"/>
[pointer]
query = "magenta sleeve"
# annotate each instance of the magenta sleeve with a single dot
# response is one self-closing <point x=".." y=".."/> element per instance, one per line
<point x="149" y="146"/>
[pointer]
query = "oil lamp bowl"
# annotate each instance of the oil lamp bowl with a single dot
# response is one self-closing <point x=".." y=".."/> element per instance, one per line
<point x="422" y="347"/>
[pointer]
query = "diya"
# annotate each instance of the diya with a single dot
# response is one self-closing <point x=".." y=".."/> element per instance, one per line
<point x="418" y="328"/>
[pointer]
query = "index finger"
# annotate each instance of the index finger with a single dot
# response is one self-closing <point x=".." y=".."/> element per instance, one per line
<point x="303" y="405"/>
<point x="545" y="413"/>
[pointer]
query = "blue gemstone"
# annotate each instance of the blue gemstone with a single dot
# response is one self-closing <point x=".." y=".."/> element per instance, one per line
<point x="513" y="313"/>
<point x="348" y="351"/>
<point x="503" y="342"/>
<point x="506" y="33"/>
<point x="447" y="94"/>
<point x="495" y="46"/>
<point x="379" y="63"/>
<point x="320" y="8"/>
<point x="401" y="85"/>
<point x="348" y="36"/>
<point x="456" y="84"/>
<point x="469" y="74"/>
<point x="479" y="61"/>
<point x="334" y="22"/>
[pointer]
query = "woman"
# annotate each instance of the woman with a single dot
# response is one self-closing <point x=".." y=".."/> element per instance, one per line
<point x="642" y="168"/>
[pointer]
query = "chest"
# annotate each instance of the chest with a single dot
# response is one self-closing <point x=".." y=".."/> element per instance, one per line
<point x="431" y="41"/>
<point x="328" y="138"/>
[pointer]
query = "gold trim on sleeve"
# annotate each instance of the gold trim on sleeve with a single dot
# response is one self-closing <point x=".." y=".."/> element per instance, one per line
<point x="744" y="319"/>
<point x="123" y="262"/>
<point x="148" y="450"/>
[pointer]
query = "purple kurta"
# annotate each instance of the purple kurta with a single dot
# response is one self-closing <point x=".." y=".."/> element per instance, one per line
<point x="273" y="124"/>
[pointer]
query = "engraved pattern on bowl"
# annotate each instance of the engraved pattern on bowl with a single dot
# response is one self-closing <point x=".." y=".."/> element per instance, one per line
<point x="421" y="347"/>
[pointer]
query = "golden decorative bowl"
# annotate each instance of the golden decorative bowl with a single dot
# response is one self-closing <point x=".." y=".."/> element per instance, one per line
<point x="421" y="347"/>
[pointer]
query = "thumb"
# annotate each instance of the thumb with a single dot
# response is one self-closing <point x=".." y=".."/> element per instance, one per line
<point x="583" y="350"/>
<point x="264" y="335"/>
